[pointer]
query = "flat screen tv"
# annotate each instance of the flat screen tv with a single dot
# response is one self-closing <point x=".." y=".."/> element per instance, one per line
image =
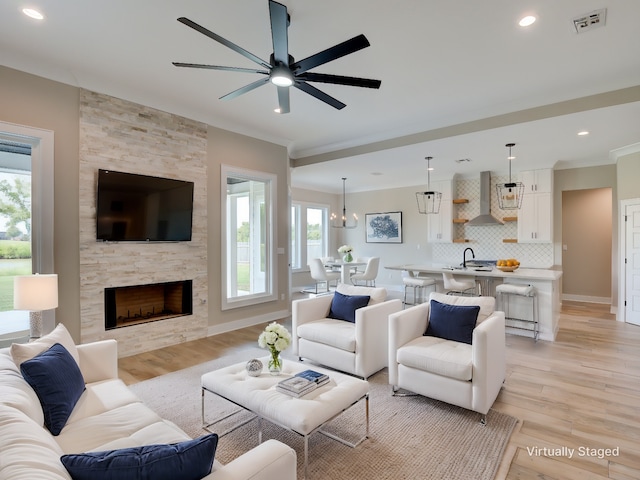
<point x="141" y="208"/>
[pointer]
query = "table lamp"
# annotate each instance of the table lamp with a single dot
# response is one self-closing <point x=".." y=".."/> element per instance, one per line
<point x="35" y="293"/>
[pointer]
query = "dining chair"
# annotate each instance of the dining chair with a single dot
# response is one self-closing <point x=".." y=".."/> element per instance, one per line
<point x="370" y="273"/>
<point x="320" y="274"/>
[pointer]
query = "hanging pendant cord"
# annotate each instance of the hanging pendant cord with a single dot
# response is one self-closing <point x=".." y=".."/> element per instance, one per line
<point x="510" y="157"/>
<point x="344" y="203"/>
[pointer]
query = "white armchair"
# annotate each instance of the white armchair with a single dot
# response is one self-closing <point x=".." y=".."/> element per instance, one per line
<point x="359" y="348"/>
<point x="469" y="376"/>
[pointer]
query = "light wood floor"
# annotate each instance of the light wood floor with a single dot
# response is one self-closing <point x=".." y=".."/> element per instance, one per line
<point x="581" y="392"/>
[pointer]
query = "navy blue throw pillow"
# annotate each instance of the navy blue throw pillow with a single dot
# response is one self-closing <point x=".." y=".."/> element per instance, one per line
<point x="190" y="460"/>
<point x="452" y="322"/>
<point x="56" y="378"/>
<point x="343" y="307"/>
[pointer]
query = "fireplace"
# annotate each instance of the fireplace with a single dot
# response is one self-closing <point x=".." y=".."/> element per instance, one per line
<point x="132" y="305"/>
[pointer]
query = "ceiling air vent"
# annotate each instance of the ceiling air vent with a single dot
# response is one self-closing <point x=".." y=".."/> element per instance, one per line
<point x="591" y="20"/>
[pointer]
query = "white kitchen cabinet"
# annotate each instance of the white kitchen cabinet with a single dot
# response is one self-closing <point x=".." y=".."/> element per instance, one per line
<point x="440" y="225"/>
<point x="537" y="181"/>
<point x="535" y="218"/>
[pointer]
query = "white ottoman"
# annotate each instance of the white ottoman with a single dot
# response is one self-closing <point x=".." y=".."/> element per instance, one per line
<point x="304" y="416"/>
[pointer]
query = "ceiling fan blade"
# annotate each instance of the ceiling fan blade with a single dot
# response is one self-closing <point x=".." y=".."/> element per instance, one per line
<point x="279" y="25"/>
<point x="345" y="48"/>
<point x="339" y="80"/>
<point x="224" y="42"/>
<point x="320" y="95"/>
<point x="245" y="89"/>
<point x="219" y="67"/>
<point x="283" y="99"/>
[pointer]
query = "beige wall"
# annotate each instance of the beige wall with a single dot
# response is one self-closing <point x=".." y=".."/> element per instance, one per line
<point x="628" y="176"/>
<point x="587" y="178"/>
<point x="587" y="244"/>
<point x="413" y="249"/>
<point x="234" y="149"/>
<point x="35" y="102"/>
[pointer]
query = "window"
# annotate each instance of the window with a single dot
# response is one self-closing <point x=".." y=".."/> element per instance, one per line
<point x="310" y="236"/>
<point x="26" y="217"/>
<point x="295" y="238"/>
<point x="248" y="206"/>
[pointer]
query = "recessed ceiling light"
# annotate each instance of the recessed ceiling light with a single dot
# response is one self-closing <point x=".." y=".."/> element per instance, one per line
<point x="583" y="133"/>
<point x="277" y="110"/>
<point x="30" y="12"/>
<point x="526" y="21"/>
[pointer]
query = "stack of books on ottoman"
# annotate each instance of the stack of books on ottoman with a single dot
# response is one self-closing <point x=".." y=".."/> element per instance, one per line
<point x="302" y="383"/>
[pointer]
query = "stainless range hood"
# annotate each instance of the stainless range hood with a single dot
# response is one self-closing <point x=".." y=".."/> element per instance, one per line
<point x="485" y="217"/>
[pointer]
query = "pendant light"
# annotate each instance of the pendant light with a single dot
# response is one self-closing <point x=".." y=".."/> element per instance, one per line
<point x="429" y="201"/>
<point x="342" y="223"/>
<point x="510" y="194"/>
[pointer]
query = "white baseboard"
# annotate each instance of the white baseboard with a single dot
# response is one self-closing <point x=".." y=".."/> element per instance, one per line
<point x="586" y="298"/>
<point x="247" y="322"/>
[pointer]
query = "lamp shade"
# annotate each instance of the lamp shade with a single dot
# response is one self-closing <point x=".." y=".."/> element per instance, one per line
<point x="35" y="292"/>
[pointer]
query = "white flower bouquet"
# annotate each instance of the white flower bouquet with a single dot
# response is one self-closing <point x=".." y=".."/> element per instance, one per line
<point x="345" y="249"/>
<point x="276" y="338"/>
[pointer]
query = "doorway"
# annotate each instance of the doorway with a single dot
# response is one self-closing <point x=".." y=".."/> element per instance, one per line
<point x="630" y="255"/>
<point x="587" y="244"/>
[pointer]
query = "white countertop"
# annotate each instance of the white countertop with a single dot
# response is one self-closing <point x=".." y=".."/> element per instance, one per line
<point x="522" y="273"/>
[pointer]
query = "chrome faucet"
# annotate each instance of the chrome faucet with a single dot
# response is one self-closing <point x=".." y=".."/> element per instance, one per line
<point x="464" y="256"/>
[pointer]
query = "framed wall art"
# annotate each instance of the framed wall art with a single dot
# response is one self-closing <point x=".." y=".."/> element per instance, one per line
<point x="384" y="227"/>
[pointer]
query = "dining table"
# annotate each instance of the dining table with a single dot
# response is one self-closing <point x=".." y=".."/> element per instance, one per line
<point x="345" y="268"/>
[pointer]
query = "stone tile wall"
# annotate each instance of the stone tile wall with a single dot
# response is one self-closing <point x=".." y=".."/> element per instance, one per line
<point x="123" y="136"/>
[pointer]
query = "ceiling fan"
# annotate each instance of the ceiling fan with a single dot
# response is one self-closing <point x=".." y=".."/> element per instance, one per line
<point x="281" y="69"/>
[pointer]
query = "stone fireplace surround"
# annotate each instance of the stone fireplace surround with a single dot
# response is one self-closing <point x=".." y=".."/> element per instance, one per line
<point x="119" y="135"/>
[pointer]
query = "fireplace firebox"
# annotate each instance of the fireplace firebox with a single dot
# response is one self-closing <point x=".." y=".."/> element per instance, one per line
<point x="132" y="305"/>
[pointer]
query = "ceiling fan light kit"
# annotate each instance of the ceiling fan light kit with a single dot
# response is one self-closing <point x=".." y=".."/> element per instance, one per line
<point x="429" y="201"/>
<point x="510" y="193"/>
<point x="282" y="70"/>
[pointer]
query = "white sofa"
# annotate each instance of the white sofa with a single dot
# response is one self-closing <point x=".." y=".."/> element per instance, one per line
<point x="358" y="348"/>
<point x="469" y="376"/>
<point x="107" y="416"/>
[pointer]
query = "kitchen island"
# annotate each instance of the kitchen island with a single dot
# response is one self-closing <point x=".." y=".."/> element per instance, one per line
<point x="546" y="282"/>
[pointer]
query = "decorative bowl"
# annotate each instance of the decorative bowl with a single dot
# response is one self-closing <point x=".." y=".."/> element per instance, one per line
<point x="508" y="269"/>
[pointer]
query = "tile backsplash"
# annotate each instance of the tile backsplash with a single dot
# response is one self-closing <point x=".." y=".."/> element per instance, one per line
<point x="487" y="241"/>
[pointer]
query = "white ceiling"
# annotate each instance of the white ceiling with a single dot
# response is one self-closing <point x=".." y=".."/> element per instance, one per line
<point x="462" y="71"/>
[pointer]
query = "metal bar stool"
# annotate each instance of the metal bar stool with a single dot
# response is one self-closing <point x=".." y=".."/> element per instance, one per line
<point x="526" y="291"/>
<point x="454" y="286"/>
<point x="417" y="283"/>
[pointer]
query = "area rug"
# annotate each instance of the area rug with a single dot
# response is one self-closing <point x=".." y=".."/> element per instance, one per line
<point x="410" y="437"/>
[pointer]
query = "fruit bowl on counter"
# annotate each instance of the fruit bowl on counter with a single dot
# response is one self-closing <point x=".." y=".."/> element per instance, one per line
<point x="510" y="265"/>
